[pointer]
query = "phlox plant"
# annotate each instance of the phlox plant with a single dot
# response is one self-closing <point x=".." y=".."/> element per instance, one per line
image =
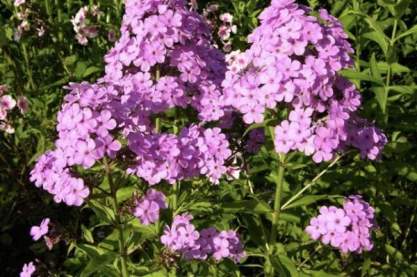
<point x="182" y="150"/>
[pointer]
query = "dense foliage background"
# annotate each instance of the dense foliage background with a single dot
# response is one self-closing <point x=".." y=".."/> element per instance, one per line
<point x="383" y="34"/>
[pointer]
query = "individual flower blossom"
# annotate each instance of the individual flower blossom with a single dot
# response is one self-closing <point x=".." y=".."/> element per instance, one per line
<point x="7" y="102"/>
<point x="28" y="270"/>
<point x="111" y="36"/>
<point x="226" y="18"/>
<point x="23" y="104"/>
<point x="347" y="229"/>
<point x="38" y="232"/>
<point x="17" y="35"/>
<point x="148" y="207"/>
<point x="18" y="3"/>
<point x="3" y="89"/>
<point x="40" y="31"/>
<point x="4" y="126"/>
<point x="294" y="62"/>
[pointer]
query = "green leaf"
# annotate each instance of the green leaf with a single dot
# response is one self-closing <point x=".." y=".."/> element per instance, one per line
<point x="91" y="70"/>
<point x="160" y="273"/>
<point x="393" y="252"/>
<point x="99" y="262"/>
<point x="403" y="89"/>
<point x="307" y="200"/>
<point x="378" y="36"/>
<point x="104" y="213"/>
<point x="379" y="39"/>
<point x="125" y="193"/>
<point x="400" y="8"/>
<point x="376" y="75"/>
<point x="247" y="206"/>
<point x="80" y="68"/>
<point x="395" y="68"/>
<point x="87" y="235"/>
<point x="289" y="265"/>
<point x="381" y="94"/>
<point x="410" y="31"/>
<point x="362" y="76"/>
<point x="366" y="266"/>
<point x="70" y="60"/>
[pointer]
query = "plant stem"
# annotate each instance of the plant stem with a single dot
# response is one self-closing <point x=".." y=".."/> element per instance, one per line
<point x="269" y="269"/>
<point x="28" y="68"/>
<point x="118" y="222"/>
<point x="389" y="60"/>
<point x="295" y="197"/>
<point x="174" y="198"/>
<point x="277" y="203"/>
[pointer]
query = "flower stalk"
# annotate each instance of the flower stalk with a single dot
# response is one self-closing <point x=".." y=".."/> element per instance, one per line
<point x="275" y="215"/>
<point x="118" y="221"/>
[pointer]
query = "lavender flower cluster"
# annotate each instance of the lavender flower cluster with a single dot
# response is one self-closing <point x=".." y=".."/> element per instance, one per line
<point x="82" y="24"/>
<point x="348" y="229"/>
<point x="7" y="104"/>
<point x="84" y="125"/>
<point x="28" y="20"/>
<point x="222" y="24"/>
<point x="293" y="62"/>
<point x="183" y="238"/>
<point x="148" y="207"/>
<point x="163" y="60"/>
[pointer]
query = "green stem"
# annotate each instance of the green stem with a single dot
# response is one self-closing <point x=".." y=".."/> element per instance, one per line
<point x="48" y="10"/>
<point x="389" y="61"/>
<point x="392" y="44"/>
<point x="59" y="12"/>
<point x="175" y="197"/>
<point x="28" y="68"/>
<point x="118" y="221"/>
<point x="277" y="204"/>
<point x="269" y="269"/>
<point x="295" y="197"/>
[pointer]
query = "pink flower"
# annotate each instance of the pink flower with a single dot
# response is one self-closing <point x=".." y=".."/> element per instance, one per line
<point x="28" y="270"/>
<point x="39" y="231"/>
<point x="7" y="102"/>
<point x="23" y="104"/>
<point x="226" y="18"/>
<point x="17" y="3"/>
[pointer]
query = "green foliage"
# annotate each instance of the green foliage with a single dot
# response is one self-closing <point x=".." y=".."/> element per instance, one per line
<point x="383" y="34"/>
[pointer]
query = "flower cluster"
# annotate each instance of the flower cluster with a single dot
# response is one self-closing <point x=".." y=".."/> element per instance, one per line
<point x="83" y="26"/>
<point x="28" y="270"/>
<point x="147" y="208"/>
<point x="169" y="41"/>
<point x="27" y="19"/>
<point x="168" y="157"/>
<point x="182" y="237"/>
<point x="84" y="126"/>
<point x="293" y="63"/>
<point x="348" y="229"/>
<point x="8" y="103"/>
<point x="163" y="60"/>
<point x="222" y="24"/>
